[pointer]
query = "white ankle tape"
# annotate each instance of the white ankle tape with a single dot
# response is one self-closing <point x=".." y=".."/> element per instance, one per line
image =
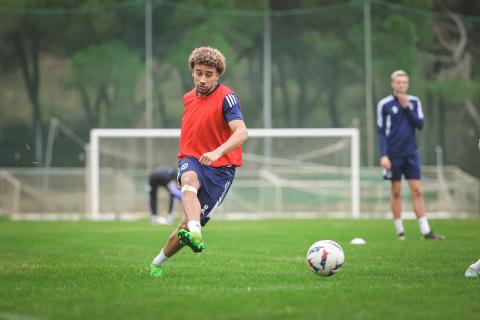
<point x="189" y="188"/>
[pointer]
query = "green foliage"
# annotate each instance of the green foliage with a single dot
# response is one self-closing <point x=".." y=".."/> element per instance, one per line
<point x="318" y="60"/>
<point x="15" y="142"/>
<point x="106" y="77"/>
<point x="453" y="90"/>
<point x="417" y="4"/>
<point x="395" y="43"/>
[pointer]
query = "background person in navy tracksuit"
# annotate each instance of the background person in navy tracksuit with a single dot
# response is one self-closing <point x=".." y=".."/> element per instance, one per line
<point x="399" y="115"/>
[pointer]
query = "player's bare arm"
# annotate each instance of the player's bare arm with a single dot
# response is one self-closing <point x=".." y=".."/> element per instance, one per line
<point x="238" y="137"/>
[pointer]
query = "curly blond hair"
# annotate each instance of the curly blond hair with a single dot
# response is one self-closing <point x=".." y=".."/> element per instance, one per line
<point x="208" y="56"/>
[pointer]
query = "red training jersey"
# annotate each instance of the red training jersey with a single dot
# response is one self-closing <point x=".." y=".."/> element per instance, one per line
<point x="204" y="128"/>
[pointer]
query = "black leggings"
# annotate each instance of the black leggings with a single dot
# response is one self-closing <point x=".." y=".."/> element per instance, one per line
<point x="153" y="200"/>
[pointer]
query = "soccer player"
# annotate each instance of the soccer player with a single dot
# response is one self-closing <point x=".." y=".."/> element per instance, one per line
<point x="212" y="133"/>
<point x="163" y="177"/>
<point x="474" y="269"/>
<point x="398" y="116"/>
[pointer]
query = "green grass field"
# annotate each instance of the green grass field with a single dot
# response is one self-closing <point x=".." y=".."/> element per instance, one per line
<point x="252" y="270"/>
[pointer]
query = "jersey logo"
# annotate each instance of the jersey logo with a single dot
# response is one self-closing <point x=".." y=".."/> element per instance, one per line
<point x="184" y="166"/>
<point x="395" y="109"/>
<point x="231" y="99"/>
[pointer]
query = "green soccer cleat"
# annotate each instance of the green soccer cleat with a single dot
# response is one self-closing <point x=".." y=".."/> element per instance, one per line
<point x="155" y="271"/>
<point x="191" y="239"/>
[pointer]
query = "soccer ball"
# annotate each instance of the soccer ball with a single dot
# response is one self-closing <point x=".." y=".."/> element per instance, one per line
<point x="325" y="258"/>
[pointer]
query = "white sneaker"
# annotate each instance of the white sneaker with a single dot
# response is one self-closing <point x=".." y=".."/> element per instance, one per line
<point x="169" y="219"/>
<point x="158" y="220"/>
<point x="471" y="272"/>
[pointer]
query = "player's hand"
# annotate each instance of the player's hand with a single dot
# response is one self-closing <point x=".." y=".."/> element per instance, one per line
<point x="385" y="163"/>
<point x="403" y="99"/>
<point x="209" y="157"/>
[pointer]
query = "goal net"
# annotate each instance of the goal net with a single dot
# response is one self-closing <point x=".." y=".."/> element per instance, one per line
<point x="286" y="173"/>
<point x="10" y="189"/>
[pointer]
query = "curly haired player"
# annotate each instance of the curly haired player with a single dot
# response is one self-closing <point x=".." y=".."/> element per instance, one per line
<point x="211" y="136"/>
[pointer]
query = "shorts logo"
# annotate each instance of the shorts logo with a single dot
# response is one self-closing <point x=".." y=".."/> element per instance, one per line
<point x="184" y="166"/>
<point x="394" y="109"/>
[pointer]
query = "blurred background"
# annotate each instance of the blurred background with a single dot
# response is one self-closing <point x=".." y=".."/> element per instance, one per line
<point x="72" y="65"/>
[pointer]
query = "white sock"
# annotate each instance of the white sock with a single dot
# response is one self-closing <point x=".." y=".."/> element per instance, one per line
<point x="160" y="259"/>
<point x="476" y="265"/>
<point x="399" y="226"/>
<point x="424" y="226"/>
<point x="193" y="226"/>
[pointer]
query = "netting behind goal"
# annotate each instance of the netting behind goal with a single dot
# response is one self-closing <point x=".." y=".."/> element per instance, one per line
<point x="286" y="172"/>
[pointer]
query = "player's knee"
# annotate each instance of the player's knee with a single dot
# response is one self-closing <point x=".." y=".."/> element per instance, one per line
<point x="396" y="194"/>
<point x="417" y="193"/>
<point x="190" y="178"/>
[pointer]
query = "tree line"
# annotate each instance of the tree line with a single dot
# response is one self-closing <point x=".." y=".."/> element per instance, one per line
<point x="83" y="62"/>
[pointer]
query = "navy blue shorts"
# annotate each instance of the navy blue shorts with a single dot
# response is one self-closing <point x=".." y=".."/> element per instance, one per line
<point x="214" y="184"/>
<point x="409" y="166"/>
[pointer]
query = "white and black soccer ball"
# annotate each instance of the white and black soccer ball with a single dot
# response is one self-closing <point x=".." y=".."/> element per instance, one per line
<point x="325" y="258"/>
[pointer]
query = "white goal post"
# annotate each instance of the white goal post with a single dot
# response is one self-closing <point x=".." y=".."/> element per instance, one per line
<point x="352" y="134"/>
